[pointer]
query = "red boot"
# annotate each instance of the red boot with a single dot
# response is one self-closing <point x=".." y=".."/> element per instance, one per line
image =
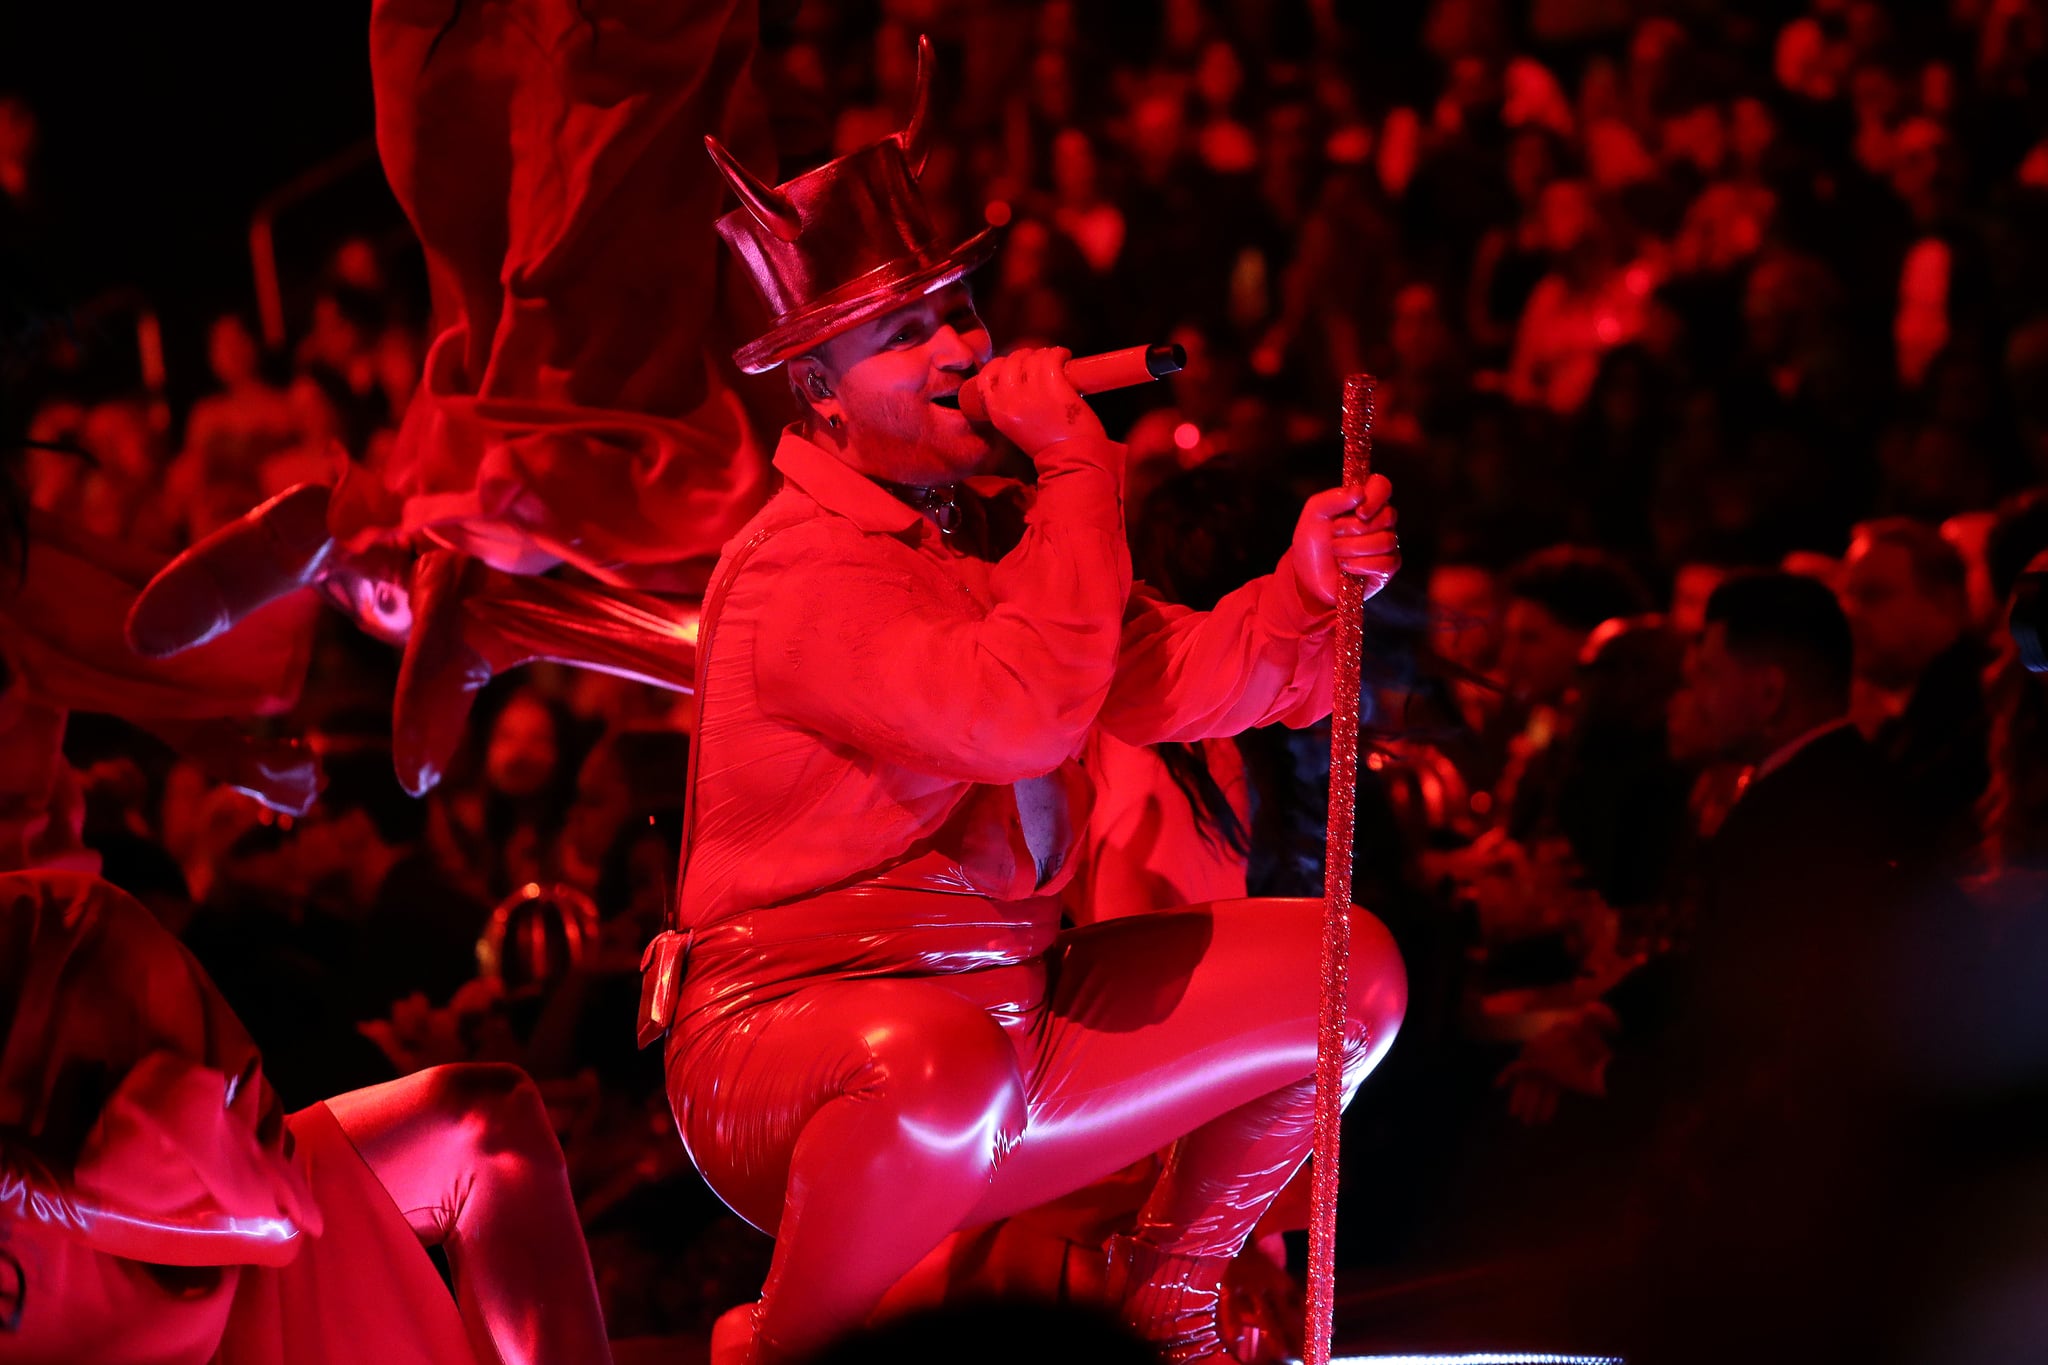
<point x="274" y="549"/>
<point x="1263" y="1310"/>
<point x="279" y="547"/>
<point x="1169" y="1300"/>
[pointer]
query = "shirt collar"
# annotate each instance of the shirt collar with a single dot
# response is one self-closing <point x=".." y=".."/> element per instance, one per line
<point x="839" y="488"/>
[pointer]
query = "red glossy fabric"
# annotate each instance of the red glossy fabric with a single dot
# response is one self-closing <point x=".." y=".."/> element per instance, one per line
<point x="923" y="916"/>
<point x="1144" y="850"/>
<point x="61" y="635"/>
<point x="882" y="1112"/>
<point x="466" y="1158"/>
<point x="363" y="1293"/>
<point x="90" y="984"/>
<point x="128" y="1087"/>
<point x="177" y="1170"/>
<point x="576" y="404"/>
<point x="875" y="692"/>
<point x="137" y="1133"/>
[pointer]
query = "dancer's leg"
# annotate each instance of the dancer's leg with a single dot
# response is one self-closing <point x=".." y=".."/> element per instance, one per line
<point x="467" y="1155"/>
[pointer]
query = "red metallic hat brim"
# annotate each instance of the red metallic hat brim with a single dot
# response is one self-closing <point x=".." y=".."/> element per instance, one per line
<point x="880" y="291"/>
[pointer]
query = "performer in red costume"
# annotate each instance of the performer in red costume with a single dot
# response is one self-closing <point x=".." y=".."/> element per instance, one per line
<point x="876" y="1032"/>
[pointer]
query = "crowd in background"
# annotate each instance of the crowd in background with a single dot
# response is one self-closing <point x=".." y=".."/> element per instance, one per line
<point x="1659" y="296"/>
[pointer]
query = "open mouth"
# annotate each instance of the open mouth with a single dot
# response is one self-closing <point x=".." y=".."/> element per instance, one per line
<point x="948" y="400"/>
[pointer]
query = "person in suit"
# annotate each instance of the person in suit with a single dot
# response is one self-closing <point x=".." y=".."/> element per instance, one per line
<point x="1905" y="592"/>
<point x="1770" y="683"/>
<point x="1760" y="1181"/>
<point x="1760" y="1036"/>
<point x="1814" y="833"/>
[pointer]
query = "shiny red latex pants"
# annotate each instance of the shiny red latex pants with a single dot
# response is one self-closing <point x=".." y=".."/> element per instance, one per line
<point x="862" y="1118"/>
<point x="468" y="1156"/>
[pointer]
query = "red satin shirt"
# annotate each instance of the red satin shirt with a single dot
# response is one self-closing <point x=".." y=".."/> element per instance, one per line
<point x="873" y="692"/>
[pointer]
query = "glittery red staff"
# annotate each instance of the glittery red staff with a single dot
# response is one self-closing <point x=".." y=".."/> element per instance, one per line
<point x="1322" y="1228"/>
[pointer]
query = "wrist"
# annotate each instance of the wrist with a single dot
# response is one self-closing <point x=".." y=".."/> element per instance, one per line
<point x="1080" y="451"/>
<point x="1080" y="483"/>
<point x="1309" y="612"/>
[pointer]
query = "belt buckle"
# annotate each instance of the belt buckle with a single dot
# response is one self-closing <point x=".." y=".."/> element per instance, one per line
<point x="661" y="980"/>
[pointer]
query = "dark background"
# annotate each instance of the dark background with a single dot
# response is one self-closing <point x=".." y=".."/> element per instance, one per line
<point x="163" y="127"/>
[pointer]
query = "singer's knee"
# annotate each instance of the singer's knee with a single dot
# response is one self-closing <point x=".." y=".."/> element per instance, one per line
<point x="944" y="1074"/>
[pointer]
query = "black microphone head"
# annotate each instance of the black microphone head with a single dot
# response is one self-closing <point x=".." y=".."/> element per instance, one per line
<point x="1164" y="359"/>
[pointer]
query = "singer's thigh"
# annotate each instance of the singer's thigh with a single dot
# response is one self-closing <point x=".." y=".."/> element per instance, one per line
<point x="929" y="1068"/>
<point x="1159" y="1023"/>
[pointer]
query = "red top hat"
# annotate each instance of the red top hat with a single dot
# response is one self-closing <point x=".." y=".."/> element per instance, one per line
<point x="844" y="243"/>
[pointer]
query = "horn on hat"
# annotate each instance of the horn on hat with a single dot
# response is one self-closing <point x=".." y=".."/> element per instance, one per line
<point x="769" y="206"/>
<point x="916" y="135"/>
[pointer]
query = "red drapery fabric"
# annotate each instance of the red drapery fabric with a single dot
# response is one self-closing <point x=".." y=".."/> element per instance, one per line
<point x="578" y="404"/>
<point x="362" y="1293"/>
<point x="61" y="650"/>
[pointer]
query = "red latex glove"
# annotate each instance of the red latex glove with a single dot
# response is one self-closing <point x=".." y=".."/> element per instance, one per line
<point x="1344" y="532"/>
<point x="1030" y="401"/>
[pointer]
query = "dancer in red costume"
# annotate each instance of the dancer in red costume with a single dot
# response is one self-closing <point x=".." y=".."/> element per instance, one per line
<point x="876" y="1032"/>
<point x="576" y="410"/>
<point x="156" y="1205"/>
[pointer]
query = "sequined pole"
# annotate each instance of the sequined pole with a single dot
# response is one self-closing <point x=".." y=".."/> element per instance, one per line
<point x="1322" y="1228"/>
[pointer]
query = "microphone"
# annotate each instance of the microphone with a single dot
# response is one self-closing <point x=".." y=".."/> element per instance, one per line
<point x="1088" y="374"/>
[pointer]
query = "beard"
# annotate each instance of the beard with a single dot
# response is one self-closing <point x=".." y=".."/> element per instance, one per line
<point x="905" y="438"/>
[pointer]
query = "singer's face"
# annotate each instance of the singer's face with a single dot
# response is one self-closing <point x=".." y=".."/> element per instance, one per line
<point x="883" y="376"/>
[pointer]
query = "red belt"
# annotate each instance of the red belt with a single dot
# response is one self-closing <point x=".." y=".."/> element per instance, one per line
<point x="921" y="918"/>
